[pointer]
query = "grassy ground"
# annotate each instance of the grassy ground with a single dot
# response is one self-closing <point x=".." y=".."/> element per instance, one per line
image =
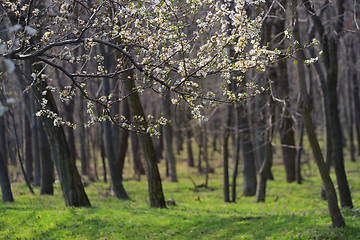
<point x="291" y="211"/>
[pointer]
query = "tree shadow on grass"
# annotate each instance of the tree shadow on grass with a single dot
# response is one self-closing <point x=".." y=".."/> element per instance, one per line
<point x="168" y="224"/>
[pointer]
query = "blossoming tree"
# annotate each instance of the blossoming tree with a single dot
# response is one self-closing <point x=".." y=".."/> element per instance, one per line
<point x="155" y="45"/>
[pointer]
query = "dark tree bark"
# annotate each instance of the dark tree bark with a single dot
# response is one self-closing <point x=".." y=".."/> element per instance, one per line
<point x="84" y="156"/>
<point x="36" y="150"/>
<point x="266" y="165"/>
<point x="288" y="146"/>
<point x="156" y="195"/>
<point x="115" y="167"/>
<point x="237" y="153"/>
<point x="330" y="46"/>
<point x="123" y="140"/>
<point x="29" y="162"/>
<point x="204" y="141"/>
<point x="167" y="134"/>
<point x="3" y="147"/>
<point x="200" y="153"/>
<point x="103" y="156"/>
<point x="226" y="154"/>
<point x="189" y="134"/>
<point x="5" y="182"/>
<point x="298" y="153"/>
<point x="47" y="165"/>
<point x="305" y="106"/>
<point x="69" y="113"/>
<point x="138" y="165"/>
<point x="249" y="169"/>
<point x="279" y="75"/>
<point x="350" y="116"/>
<point x="70" y="180"/>
<point x="7" y="195"/>
<point x="356" y="96"/>
<point x="189" y="150"/>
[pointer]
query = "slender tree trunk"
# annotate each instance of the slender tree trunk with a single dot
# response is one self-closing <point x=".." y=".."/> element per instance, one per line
<point x="322" y="85"/>
<point x="204" y="139"/>
<point x="113" y="161"/>
<point x="226" y="154"/>
<point x="237" y="154"/>
<point x="123" y="140"/>
<point x="69" y="112"/>
<point x="7" y="195"/>
<point x="36" y="150"/>
<point x="350" y="115"/>
<point x="330" y="46"/>
<point x="47" y="165"/>
<point x="200" y="153"/>
<point x="357" y="111"/>
<point x="165" y="101"/>
<point x="103" y="156"/>
<point x="189" y="151"/>
<point x="138" y="165"/>
<point x="84" y="158"/>
<point x="305" y="106"/>
<point x="288" y="146"/>
<point x="29" y="163"/>
<point x="70" y="180"/>
<point x="5" y="182"/>
<point x="298" y="153"/>
<point x="94" y="147"/>
<point x="266" y="165"/>
<point x="156" y="194"/>
<point x="189" y="134"/>
<point x="3" y="148"/>
<point x="336" y="135"/>
<point x="249" y="170"/>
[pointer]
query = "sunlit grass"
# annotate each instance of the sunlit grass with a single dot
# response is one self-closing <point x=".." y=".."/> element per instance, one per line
<point x="291" y="211"/>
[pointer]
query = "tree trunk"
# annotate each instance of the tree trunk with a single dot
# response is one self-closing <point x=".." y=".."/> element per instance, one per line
<point x="189" y="134"/>
<point x="226" y="154"/>
<point x="357" y="111"/>
<point x="138" y="165"/>
<point x="305" y="106"/>
<point x="70" y="180"/>
<point x="114" y="163"/>
<point x="330" y="45"/>
<point x="123" y="140"/>
<point x="189" y="151"/>
<point x="5" y="182"/>
<point x="298" y="153"/>
<point x="156" y="194"/>
<point x="69" y="113"/>
<point x="204" y="140"/>
<point x="4" y="176"/>
<point x="266" y="165"/>
<point x="237" y="154"/>
<point x="249" y="170"/>
<point x="47" y="165"/>
<point x="288" y="146"/>
<point x="29" y="163"/>
<point x="166" y="103"/>
<point x="103" y="156"/>
<point x="36" y="150"/>
<point x="350" y="123"/>
<point x="336" y="135"/>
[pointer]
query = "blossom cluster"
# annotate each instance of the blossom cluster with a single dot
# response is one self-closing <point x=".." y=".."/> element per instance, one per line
<point x="180" y="46"/>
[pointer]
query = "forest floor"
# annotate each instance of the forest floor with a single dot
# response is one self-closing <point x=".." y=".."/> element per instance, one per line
<point x="291" y="211"/>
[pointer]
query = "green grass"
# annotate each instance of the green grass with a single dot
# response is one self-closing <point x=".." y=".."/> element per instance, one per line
<point x="291" y="211"/>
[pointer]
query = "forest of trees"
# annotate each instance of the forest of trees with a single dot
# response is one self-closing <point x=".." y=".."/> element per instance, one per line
<point x="86" y="84"/>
